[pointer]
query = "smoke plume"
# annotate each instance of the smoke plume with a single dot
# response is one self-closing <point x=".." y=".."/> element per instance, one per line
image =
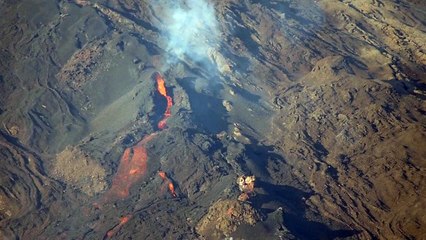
<point x="191" y="29"/>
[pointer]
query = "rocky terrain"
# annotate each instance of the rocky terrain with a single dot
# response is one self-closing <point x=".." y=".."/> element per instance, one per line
<point x="323" y="101"/>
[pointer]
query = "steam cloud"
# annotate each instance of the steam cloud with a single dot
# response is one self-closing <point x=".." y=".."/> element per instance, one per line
<point x="191" y="29"/>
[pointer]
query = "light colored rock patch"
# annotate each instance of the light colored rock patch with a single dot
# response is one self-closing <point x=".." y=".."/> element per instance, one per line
<point x="79" y="170"/>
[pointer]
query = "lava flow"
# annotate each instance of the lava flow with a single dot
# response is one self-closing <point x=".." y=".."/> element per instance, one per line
<point x="162" y="90"/>
<point x="169" y="183"/>
<point x="117" y="227"/>
<point x="133" y="163"/>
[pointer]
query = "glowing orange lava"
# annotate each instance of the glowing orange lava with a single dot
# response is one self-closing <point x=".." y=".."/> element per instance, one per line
<point x="172" y="189"/>
<point x="162" y="175"/>
<point x="162" y="90"/>
<point x="117" y="227"/>
<point x="133" y="164"/>
<point x="169" y="183"/>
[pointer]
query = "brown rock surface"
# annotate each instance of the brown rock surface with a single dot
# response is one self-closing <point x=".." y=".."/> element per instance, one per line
<point x="224" y="217"/>
<point x="79" y="170"/>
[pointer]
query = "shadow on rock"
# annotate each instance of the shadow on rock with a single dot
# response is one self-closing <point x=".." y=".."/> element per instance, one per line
<point x="294" y="220"/>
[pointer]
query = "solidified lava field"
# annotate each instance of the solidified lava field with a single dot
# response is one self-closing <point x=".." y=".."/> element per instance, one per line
<point x="124" y="119"/>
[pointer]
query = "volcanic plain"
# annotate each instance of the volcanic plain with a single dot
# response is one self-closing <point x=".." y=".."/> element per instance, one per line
<point x="110" y="129"/>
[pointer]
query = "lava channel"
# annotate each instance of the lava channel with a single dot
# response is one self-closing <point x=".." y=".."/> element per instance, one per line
<point x="161" y="87"/>
<point x="117" y="227"/>
<point x="168" y="182"/>
<point x="133" y="163"/>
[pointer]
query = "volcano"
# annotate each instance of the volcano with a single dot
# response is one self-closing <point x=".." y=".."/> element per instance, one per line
<point x="197" y="119"/>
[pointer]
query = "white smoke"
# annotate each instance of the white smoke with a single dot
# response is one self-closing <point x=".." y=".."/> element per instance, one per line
<point x="191" y="29"/>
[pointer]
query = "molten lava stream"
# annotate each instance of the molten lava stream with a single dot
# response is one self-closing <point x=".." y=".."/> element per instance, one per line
<point x="117" y="227"/>
<point x="133" y="163"/>
<point x="172" y="189"/>
<point x="168" y="182"/>
<point x="161" y="87"/>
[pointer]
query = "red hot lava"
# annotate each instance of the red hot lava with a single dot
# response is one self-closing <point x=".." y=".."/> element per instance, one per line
<point x="117" y="227"/>
<point x="169" y="183"/>
<point x="133" y="163"/>
<point x="162" y="90"/>
<point x="172" y="189"/>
